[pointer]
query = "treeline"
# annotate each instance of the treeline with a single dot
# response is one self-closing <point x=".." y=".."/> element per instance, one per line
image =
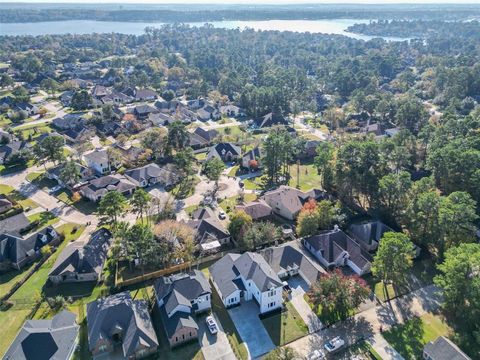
<point x="419" y="28"/>
<point x="17" y="14"/>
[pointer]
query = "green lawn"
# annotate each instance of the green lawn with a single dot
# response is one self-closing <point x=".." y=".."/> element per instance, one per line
<point x="5" y="189"/>
<point x="44" y="219"/>
<point x="24" y="298"/>
<point x="228" y="204"/>
<point x="201" y="156"/>
<point x="233" y="171"/>
<point x="19" y="198"/>
<point x="309" y="177"/>
<point x="286" y="326"/>
<point x="82" y="205"/>
<point x="408" y="339"/>
<point x="34" y="176"/>
<point x="9" y="279"/>
<point x="185" y="188"/>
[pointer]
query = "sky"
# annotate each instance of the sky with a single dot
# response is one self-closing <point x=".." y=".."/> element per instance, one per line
<point x="255" y="1"/>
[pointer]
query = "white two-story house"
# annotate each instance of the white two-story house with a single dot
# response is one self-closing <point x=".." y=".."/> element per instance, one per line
<point x="180" y="297"/>
<point x="99" y="161"/>
<point x="247" y="277"/>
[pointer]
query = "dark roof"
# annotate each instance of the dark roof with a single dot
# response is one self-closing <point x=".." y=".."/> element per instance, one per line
<point x="444" y="349"/>
<point x="166" y="174"/>
<point x="250" y="266"/>
<point x="331" y="243"/>
<point x="144" y="109"/>
<point x="120" y="313"/>
<point x="144" y="93"/>
<point x="203" y="213"/>
<point x="202" y="137"/>
<point x="181" y="288"/>
<point x="15" y="249"/>
<point x="14" y="224"/>
<point x="368" y="231"/>
<point x="102" y="185"/>
<point x="222" y="149"/>
<point x="13" y="147"/>
<point x="84" y="258"/>
<point x="253" y="154"/>
<point x="208" y="229"/>
<point x="45" y="339"/>
<point x="285" y="258"/>
<point x="270" y="120"/>
<point x="257" y="209"/>
<point x="176" y="322"/>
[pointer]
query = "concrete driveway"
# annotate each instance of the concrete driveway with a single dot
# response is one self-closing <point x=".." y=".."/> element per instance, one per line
<point x="299" y="288"/>
<point x="214" y="347"/>
<point x="251" y="329"/>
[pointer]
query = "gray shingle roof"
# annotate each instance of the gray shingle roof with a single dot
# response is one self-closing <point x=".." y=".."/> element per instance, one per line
<point x="285" y="258"/>
<point x="45" y="339"/>
<point x="208" y="229"/>
<point x="165" y="174"/>
<point x="250" y="266"/>
<point x="444" y="349"/>
<point x="368" y="231"/>
<point x="333" y="242"/>
<point x="84" y="258"/>
<point x="102" y="185"/>
<point x="120" y="312"/>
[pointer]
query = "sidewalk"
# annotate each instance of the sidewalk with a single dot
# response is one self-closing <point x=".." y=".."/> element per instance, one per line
<point x="366" y="325"/>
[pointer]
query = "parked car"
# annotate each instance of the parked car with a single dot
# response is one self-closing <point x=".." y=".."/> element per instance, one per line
<point x="222" y="215"/>
<point x="334" y="344"/>
<point x="316" y="355"/>
<point x="212" y="325"/>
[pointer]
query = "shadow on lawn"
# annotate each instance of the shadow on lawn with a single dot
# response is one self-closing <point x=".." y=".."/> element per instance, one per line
<point x="407" y="339"/>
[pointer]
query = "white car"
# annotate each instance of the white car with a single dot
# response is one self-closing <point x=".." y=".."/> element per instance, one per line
<point x="212" y="325"/>
<point x="334" y="344"/>
<point x="316" y="355"/>
<point x="222" y="215"/>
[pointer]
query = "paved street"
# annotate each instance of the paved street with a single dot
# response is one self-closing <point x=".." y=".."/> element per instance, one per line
<point x="366" y="325"/>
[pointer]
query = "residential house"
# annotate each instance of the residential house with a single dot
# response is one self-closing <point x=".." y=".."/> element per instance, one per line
<point x="209" y="230"/>
<point x="203" y="213"/>
<point x="78" y="135"/>
<point x="151" y="174"/>
<point x="160" y="119"/>
<point x="334" y="248"/>
<point x="86" y="174"/>
<point x="443" y="349"/>
<point x="145" y="95"/>
<point x="14" y="224"/>
<point x="5" y="204"/>
<point x="310" y="150"/>
<point x="99" y="91"/>
<point x="208" y="112"/>
<point x="54" y="339"/>
<point x="129" y="150"/>
<point x="100" y="161"/>
<point x="66" y="97"/>
<point x="231" y="111"/>
<point x="80" y="262"/>
<point x="269" y="120"/>
<point x="225" y="152"/>
<point x="392" y="132"/>
<point x="119" y="322"/>
<point x="368" y="233"/>
<point x="142" y="112"/>
<point x="116" y="97"/>
<point x="258" y="209"/>
<point x="69" y="121"/>
<point x="28" y="108"/>
<point x="251" y="159"/>
<point x="200" y="137"/>
<point x="287" y="201"/>
<point x="246" y="277"/>
<point x="11" y="149"/>
<point x="16" y="251"/>
<point x="180" y="297"/>
<point x="99" y="187"/>
<point x="287" y="261"/>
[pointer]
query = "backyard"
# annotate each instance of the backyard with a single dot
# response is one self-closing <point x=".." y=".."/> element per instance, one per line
<point x="24" y="299"/>
<point x="409" y="338"/>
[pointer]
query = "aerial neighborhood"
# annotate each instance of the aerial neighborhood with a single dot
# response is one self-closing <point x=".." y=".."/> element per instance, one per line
<point x="223" y="194"/>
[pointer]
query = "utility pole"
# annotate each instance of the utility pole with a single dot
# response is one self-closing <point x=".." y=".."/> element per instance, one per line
<point x="298" y="174"/>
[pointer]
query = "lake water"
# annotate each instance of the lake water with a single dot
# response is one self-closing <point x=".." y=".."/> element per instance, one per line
<point x="334" y="26"/>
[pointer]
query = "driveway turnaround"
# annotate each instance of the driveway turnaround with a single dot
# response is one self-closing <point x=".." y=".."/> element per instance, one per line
<point x="214" y="347"/>
<point x="251" y="329"/>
